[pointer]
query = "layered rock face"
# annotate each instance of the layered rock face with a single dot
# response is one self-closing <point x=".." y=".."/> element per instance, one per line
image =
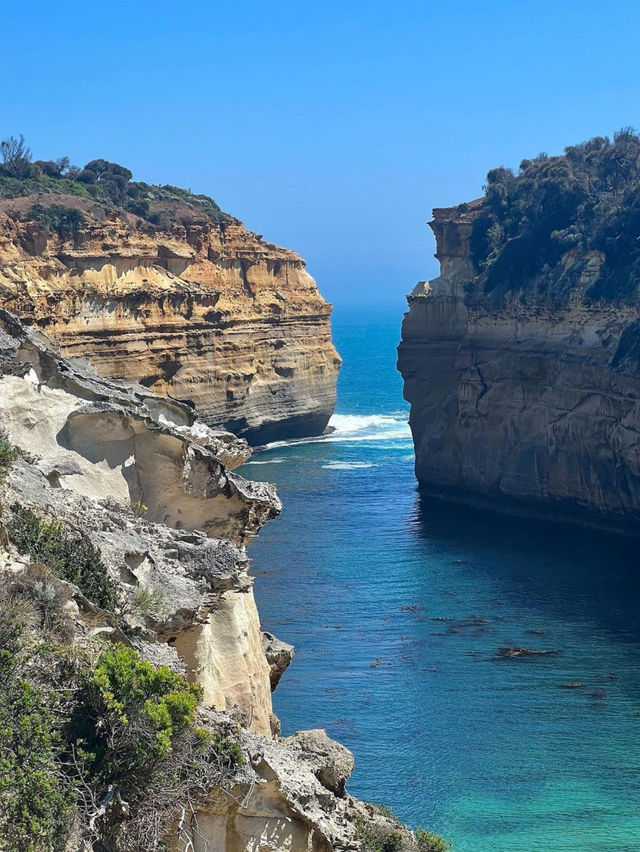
<point x="203" y="311"/>
<point x="529" y="401"/>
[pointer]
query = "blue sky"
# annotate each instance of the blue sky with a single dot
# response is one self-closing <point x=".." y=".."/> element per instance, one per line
<point x="332" y="128"/>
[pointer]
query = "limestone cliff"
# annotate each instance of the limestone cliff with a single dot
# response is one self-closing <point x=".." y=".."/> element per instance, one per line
<point x="520" y="362"/>
<point x="195" y="307"/>
<point x="151" y="488"/>
<point x="90" y="450"/>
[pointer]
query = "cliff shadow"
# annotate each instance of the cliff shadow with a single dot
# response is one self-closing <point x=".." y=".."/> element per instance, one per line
<point x="574" y="573"/>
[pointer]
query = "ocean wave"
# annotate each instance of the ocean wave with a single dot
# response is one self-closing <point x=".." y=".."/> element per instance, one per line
<point x="266" y="461"/>
<point x="349" y="423"/>
<point x="338" y="465"/>
<point x="353" y="428"/>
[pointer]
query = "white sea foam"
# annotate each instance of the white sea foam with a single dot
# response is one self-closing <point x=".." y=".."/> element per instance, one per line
<point x="337" y="465"/>
<point x="266" y="461"/>
<point x="349" y="428"/>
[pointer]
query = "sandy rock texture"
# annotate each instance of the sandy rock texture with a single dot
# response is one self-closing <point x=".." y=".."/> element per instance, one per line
<point x="279" y="655"/>
<point x="527" y="403"/>
<point x="167" y="515"/>
<point x="290" y="799"/>
<point x="203" y="311"/>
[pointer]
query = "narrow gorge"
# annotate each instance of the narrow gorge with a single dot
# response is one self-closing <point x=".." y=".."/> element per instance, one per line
<point x="146" y="341"/>
<point x="151" y="489"/>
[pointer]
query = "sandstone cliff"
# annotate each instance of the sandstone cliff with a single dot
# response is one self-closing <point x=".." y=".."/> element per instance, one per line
<point x="152" y="489"/>
<point x="521" y="365"/>
<point x="195" y="307"/>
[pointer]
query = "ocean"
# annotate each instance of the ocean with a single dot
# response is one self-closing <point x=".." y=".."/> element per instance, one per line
<point x="398" y="608"/>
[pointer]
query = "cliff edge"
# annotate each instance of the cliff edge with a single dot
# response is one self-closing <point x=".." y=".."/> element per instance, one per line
<point x="158" y="286"/>
<point x="521" y="360"/>
<point x="135" y="696"/>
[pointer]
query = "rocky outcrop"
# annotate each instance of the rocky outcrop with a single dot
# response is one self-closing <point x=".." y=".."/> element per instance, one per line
<point x="147" y="484"/>
<point x="151" y="488"/>
<point x="330" y="762"/>
<point x="201" y="310"/>
<point x="279" y="655"/>
<point x="525" y="400"/>
<point x="285" y="803"/>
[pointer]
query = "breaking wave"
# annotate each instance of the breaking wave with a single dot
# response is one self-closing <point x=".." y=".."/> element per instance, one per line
<point x="347" y="428"/>
<point x="338" y="465"/>
<point x="266" y="461"/>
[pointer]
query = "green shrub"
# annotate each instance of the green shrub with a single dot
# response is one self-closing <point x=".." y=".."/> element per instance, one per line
<point x="41" y="598"/>
<point x="139" y="206"/>
<point x="75" y="734"/>
<point x="7" y="455"/>
<point x="36" y="804"/>
<point x="106" y="182"/>
<point x="139" y="737"/>
<point x="374" y="837"/>
<point x="586" y="199"/>
<point x="11" y="187"/>
<point x="64" y="221"/>
<point x="130" y="696"/>
<point x="148" y="601"/>
<point x="71" y="557"/>
<point x="429" y="842"/>
<point x="36" y="801"/>
<point x="139" y="509"/>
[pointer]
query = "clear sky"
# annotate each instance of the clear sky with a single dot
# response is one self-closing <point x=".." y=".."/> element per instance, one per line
<point x="332" y="128"/>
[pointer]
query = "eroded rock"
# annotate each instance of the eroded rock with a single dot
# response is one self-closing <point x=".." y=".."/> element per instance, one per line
<point x="279" y="655"/>
<point x="209" y="313"/>
<point x="330" y="762"/>
<point x="522" y="404"/>
<point x="90" y="451"/>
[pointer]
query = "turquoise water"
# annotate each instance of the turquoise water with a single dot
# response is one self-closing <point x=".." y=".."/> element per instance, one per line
<point x="397" y="608"/>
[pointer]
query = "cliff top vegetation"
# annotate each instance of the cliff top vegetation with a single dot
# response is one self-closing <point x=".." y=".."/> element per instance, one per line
<point x="106" y="183"/>
<point x="585" y="199"/>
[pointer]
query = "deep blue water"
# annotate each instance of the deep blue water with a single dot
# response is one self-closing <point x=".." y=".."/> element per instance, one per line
<point x="397" y="608"/>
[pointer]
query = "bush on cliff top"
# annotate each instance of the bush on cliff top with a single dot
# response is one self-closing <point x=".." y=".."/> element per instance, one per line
<point x="588" y="198"/>
<point x="101" y="180"/>
<point x="64" y="221"/>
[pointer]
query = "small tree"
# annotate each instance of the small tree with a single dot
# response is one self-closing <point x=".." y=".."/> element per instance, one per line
<point x="16" y="156"/>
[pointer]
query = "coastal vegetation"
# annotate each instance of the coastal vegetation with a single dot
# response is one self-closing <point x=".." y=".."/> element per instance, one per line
<point x="7" y="454"/>
<point x="64" y="221"/>
<point x="69" y="556"/>
<point x="96" y="744"/>
<point x="379" y="837"/>
<point x="430" y="842"/>
<point x="108" y="184"/>
<point x="583" y="200"/>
